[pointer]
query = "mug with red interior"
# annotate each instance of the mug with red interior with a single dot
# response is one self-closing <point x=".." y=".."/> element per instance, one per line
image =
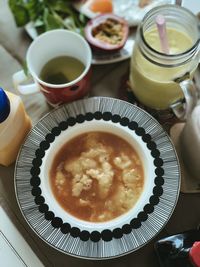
<point x="46" y="47"/>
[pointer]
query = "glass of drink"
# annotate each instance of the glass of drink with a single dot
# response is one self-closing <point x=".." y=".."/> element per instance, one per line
<point x="163" y="80"/>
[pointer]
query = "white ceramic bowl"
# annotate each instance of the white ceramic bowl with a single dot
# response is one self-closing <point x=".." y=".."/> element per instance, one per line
<point x="104" y="126"/>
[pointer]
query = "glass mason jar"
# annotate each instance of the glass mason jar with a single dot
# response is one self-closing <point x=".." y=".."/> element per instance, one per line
<point x="164" y="81"/>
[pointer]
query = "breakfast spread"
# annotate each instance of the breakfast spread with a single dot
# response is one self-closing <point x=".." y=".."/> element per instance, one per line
<point x="98" y="187"/>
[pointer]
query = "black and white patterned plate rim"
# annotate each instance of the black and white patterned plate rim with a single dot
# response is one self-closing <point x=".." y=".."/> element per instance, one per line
<point x="105" y="244"/>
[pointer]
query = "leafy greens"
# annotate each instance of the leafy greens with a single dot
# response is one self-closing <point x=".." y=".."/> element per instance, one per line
<point x="47" y="14"/>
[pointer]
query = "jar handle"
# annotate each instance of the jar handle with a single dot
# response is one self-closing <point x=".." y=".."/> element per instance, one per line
<point x="183" y="108"/>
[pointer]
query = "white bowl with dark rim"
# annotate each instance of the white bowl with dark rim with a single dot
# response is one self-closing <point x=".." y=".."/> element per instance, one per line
<point x="131" y="230"/>
<point x="98" y="126"/>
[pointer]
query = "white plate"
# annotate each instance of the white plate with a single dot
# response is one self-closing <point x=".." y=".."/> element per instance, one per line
<point x="122" y="54"/>
<point x="98" y="59"/>
<point x="128" y="9"/>
<point x="123" y="235"/>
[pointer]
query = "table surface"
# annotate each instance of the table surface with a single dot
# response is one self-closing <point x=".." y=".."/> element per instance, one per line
<point x="105" y="82"/>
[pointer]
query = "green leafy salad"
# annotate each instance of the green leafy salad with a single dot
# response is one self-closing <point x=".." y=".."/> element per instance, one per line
<point x="47" y="15"/>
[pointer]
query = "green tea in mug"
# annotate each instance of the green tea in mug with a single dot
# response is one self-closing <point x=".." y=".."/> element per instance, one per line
<point x="61" y="70"/>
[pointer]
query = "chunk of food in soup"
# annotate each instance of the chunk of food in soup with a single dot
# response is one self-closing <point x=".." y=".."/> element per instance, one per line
<point x="97" y="176"/>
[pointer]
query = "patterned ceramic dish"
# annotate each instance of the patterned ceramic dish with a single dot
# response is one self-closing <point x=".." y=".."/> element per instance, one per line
<point x="125" y="233"/>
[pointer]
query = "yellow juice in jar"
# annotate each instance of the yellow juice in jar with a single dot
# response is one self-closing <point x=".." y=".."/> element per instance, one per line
<point x="154" y="85"/>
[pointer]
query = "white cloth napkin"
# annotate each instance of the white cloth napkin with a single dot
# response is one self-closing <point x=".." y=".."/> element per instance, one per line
<point x="186" y="139"/>
<point x="190" y="143"/>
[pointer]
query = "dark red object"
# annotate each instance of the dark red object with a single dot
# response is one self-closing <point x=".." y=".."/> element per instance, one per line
<point x="102" y="46"/>
<point x="194" y="254"/>
<point x="68" y="93"/>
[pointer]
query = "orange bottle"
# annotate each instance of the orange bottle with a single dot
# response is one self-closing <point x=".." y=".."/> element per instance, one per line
<point x="14" y="126"/>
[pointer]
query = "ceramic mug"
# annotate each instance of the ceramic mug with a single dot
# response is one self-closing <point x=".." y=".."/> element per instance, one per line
<point x="50" y="45"/>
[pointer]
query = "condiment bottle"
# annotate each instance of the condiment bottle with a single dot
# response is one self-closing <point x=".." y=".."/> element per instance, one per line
<point x="14" y="126"/>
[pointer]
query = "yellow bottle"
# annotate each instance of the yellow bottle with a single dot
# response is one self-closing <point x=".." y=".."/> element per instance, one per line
<point x="14" y="126"/>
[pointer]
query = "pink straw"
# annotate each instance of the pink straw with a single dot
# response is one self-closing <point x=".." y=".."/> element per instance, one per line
<point x="161" y="26"/>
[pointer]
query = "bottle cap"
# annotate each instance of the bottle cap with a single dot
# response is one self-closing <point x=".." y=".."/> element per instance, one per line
<point x="4" y="106"/>
<point x="194" y="254"/>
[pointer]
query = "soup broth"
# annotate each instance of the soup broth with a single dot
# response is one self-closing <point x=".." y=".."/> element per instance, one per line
<point x="97" y="176"/>
<point x="61" y="70"/>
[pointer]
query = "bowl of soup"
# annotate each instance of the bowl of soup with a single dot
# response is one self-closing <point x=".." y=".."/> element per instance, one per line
<point x="97" y="178"/>
<point x="97" y="175"/>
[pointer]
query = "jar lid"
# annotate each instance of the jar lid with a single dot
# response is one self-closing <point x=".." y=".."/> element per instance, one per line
<point x="4" y="106"/>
